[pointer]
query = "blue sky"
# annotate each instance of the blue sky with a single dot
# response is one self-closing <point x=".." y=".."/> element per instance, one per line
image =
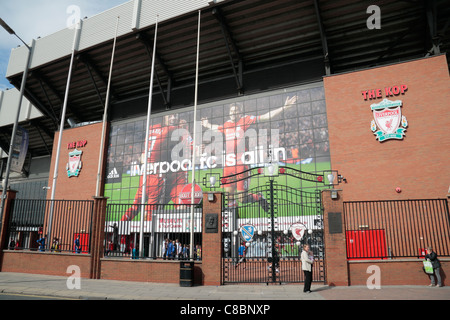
<point x="38" y="18"/>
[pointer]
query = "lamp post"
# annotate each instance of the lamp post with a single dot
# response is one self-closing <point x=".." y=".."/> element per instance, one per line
<point x="16" y="122"/>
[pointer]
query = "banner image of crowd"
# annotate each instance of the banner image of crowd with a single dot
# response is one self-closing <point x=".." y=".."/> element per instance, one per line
<point x="232" y="136"/>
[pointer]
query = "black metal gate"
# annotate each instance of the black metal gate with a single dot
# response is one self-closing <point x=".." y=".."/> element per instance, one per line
<point x="265" y="229"/>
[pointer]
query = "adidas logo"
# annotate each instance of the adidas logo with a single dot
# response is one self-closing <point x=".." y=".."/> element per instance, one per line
<point x="113" y="174"/>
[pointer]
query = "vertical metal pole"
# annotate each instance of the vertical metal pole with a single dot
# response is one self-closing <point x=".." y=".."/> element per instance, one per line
<point x="191" y="251"/>
<point x="144" y="180"/>
<point x="105" y="114"/>
<point x="61" y="126"/>
<point x="272" y="222"/>
<point x="14" y="132"/>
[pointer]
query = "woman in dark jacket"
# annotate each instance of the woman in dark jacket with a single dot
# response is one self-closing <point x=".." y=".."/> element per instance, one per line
<point x="432" y="256"/>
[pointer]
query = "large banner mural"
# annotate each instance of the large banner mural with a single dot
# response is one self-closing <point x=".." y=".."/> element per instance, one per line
<point x="232" y="136"/>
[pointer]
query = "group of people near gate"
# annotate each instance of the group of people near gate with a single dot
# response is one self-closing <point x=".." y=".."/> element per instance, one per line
<point x="432" y="265"/>
<point x="175" y="250"/>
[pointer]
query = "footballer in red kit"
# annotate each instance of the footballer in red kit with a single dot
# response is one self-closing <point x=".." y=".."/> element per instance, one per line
<point x="234" y="132"/>
<point x="159" y="185"/>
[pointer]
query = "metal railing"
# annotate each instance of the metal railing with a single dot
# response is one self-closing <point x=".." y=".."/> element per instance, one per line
<point x="396" y="228"/>
<point x="259" y="270"/>
<point x="273" y="230"/>
<point x="161" y="223"/>
<point x="50" y="225"/>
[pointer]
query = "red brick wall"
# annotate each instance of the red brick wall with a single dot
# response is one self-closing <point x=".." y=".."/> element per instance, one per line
<point x="394" y="272"/>
<point x="81" y="187"/>
<point x="44" y="263"/>
<point x="212" y="243"/>
<point x="146" y="271"/>
<point x="340" y="272"/>
<point x="206" y="272"/>
<point x="334" y="244"/>
<point x="140" y="271"/>
<point x="418" y="164"/>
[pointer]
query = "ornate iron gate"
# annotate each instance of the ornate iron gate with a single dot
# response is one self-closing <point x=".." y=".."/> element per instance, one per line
<point x="264" y="231"/>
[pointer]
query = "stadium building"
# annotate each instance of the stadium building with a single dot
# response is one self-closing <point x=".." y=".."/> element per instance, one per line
<point x="353" y="96"/>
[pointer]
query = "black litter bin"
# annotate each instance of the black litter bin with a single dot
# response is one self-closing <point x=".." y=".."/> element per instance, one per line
<point x="186" y="274"/>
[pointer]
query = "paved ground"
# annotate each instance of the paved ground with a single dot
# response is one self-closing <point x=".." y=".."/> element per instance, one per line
<point x="41" y="285"/>
<point x="231" y="301"/>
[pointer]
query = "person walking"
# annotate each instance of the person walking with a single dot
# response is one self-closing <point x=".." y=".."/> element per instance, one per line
<point x="41" y="242"/>
<point x="199" y="252"/>
<point x="241" y="252"/>
<point x="55" y="245"/>
<point x="179" y="249"/>
<point x="77" y="245"/>
<point x="307" y="263"/>
<point x="171" y="250"/>
<point x="432" y="257"/>
<point x="135" y="252"/>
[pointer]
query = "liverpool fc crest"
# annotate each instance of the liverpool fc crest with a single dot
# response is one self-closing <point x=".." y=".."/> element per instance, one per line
<point x="388" y="121"/>
<point x="247" y="232"/>
<point x="298" y="231"/>
<point x="74" y="165"/>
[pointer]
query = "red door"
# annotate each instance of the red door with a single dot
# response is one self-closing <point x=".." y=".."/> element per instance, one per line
<point x="366" y="244"/>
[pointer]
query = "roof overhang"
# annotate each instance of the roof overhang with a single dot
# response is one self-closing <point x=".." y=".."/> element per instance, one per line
<point x="246" y="47"/>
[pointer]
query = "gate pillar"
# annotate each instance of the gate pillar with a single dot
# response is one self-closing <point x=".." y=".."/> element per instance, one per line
<point x="10" y="196"/>
<point x="334" y="238"/>
<point x="98" y="236"/>
<point x="212" y="239"/>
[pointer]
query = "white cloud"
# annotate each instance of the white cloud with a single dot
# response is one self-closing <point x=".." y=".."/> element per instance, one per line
<point x="38" y="18"/>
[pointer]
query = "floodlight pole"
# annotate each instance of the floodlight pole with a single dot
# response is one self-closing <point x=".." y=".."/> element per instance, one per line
<point x="105" y="114"/>
<point x="77" y="32"/>
<point x="5" y="182"/>
<point x="191" y="227"/>
<point x="146" y="158"/>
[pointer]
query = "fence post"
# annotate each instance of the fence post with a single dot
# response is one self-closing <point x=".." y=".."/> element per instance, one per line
<point x="212" y="239"/>
<point x="334" y="237"/>
<point x="97" y="236"/>
<point x="10" y="196"/>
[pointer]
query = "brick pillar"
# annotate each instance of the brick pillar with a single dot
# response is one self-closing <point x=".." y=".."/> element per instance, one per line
<point x="10" y="196"/>
<point x="448" y="198"/>
<point x="97" y="236"/>
<point x="334" y="237"/>
<point x="212" y="240"/>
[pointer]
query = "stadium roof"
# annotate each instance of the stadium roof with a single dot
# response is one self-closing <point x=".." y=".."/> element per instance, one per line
<point x="246" y="47"/>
